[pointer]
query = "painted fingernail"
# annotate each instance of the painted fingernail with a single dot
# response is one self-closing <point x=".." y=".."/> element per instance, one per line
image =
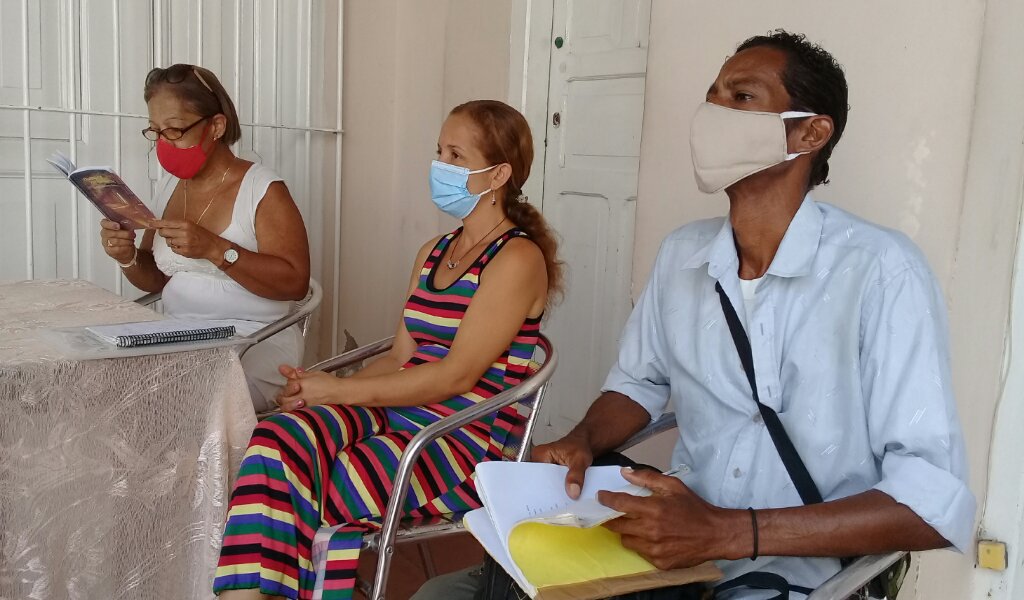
<point x="574" y="490"/>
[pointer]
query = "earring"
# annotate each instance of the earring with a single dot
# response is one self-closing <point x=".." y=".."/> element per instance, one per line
<point x="493" y="198"/>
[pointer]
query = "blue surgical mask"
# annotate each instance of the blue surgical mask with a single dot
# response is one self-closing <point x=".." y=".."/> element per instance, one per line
<point x="448" y="188"/>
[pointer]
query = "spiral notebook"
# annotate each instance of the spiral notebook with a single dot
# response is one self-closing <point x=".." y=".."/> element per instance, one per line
<point x="167" y="331"/>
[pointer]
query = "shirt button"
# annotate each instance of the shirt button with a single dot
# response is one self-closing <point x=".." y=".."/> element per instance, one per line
<point x="758" y="418"/>
<point x="736" y="472"/>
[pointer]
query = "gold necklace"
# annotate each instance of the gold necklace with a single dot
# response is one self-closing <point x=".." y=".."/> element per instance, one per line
<point x="452" y="265"/>
<point x="212" y="198"/>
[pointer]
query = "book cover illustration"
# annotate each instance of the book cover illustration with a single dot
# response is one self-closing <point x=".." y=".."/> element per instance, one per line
<point x="107" y="191"/>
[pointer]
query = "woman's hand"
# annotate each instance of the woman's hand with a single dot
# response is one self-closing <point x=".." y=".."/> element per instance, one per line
<point x="306" y="388"/>
<point x="191" y="240"/>
<point x="119" y="244"/>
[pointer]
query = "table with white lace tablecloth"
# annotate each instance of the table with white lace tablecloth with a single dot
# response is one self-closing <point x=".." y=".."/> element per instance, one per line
<point x="115" y="474"/>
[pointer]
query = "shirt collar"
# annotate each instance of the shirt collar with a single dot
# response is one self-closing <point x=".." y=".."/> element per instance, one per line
<point x="793" y="258"/>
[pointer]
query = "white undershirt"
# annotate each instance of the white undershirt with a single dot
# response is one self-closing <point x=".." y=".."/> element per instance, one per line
<point x="749" y="288"/>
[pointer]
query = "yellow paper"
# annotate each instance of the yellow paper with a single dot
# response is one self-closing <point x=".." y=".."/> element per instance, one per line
<point x="555" y="555"/>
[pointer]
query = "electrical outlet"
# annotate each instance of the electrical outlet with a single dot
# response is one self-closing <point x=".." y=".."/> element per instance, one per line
<point x="992" y="555"/>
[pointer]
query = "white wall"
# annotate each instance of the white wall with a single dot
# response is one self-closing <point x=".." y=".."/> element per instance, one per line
<point x="406" y="65"/>
<point x="903" y="162"/>
<point x="989" y="383"/>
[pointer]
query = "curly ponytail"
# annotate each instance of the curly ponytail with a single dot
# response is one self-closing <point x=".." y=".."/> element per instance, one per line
<point x="505" y="138"/>
<point x="529" y="219"/>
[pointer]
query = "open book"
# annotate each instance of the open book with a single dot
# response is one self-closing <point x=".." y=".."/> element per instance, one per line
<point x="106" y="190"/>
<point x="554" y="547"/>
<point x="167" y="331"/>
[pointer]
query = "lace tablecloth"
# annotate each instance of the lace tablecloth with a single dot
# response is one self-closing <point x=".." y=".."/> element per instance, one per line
<point x="114" y="474"/>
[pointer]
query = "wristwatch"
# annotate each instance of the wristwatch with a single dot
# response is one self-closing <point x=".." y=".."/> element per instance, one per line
<point x="230" y="257"/>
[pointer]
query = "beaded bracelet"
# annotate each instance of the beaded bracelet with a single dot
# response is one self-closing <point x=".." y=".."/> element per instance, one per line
<point x="132" y="262"/>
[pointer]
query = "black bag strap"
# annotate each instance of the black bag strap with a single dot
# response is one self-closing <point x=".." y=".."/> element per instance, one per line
<point x="794" y="466"/>
<point x="783" y="445"/>
<point x="763" y="580"/>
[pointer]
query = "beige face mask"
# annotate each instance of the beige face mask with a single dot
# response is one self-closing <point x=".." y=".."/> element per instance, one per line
<point x="728" y="145"/>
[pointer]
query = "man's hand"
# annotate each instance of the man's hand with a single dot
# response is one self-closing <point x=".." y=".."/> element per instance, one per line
<point x="674" y="527"/>
<point x="572" y="451"/>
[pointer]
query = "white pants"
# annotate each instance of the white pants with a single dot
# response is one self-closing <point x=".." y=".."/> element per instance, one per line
<point x="261" y="361"/>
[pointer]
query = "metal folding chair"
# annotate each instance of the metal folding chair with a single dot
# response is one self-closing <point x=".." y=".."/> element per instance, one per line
<point x="525" y="397"/>
<point x="840" y="586"/>
<point x="301" y="311"/>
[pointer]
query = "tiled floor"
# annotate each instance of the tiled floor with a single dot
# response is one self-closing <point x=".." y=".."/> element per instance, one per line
<point x="450" y="553"/>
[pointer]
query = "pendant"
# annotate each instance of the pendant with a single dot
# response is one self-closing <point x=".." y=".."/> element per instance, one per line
<point x="452" y="265"/>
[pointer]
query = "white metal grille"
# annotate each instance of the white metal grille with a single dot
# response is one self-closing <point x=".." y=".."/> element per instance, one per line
<point x="71" y="74"/>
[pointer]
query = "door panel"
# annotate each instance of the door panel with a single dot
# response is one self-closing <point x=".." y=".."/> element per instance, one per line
<point x="586" y="142"/>
<point x="596" y="86"/>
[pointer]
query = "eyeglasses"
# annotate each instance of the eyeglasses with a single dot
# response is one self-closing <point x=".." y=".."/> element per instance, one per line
<point x="169" y="133"/>
<point x="176" y="74"/>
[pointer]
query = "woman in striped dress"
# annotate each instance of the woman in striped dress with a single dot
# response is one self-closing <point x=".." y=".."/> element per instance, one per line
<point x="468" y="331"/>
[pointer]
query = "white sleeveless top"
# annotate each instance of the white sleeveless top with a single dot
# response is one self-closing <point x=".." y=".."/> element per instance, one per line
<point x="197" y="289"/>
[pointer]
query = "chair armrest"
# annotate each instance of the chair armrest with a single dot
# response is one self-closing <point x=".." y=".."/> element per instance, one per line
<point x="353" y="357"/>
<point x="855" y="576"/>
<point x="665" y="422"/>
<point x="149" y="299"/>
<point x="310" y="304"/>
<point x="403" y="476"/>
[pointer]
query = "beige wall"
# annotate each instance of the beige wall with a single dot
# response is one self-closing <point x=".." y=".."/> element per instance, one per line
<point x="987" y="253"/>
<point x="913" y="70"/>
<point x="893" y="65"/>
<point x="406" y="65"/>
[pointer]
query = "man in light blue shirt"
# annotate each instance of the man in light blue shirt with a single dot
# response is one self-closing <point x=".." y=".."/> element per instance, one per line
<point x="848" y="339"/>
<point x="847" y="330"/>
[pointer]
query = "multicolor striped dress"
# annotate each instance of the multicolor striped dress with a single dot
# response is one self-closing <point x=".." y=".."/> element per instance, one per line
<point x="334" y="465"/>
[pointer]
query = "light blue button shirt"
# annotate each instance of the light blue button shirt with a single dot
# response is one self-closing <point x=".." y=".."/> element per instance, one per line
<point x="850" y="345"/>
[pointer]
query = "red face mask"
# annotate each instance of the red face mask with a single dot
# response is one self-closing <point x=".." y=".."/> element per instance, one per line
<point x="183" y="163"/>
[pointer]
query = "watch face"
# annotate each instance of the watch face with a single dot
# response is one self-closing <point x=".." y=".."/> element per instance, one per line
<point x="230" y="256"/>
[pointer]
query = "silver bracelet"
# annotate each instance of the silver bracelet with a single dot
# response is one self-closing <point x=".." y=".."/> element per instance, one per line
<point x="132" y="262"/>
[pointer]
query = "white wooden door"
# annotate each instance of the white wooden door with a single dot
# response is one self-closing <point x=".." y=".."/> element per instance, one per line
<point x="595" y="112"/>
